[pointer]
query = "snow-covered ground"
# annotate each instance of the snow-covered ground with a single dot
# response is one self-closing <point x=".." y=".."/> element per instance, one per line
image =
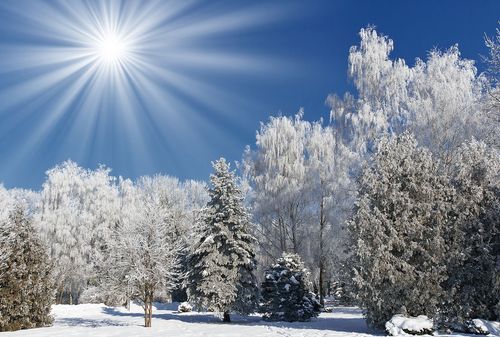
<point x="99" y="320"/>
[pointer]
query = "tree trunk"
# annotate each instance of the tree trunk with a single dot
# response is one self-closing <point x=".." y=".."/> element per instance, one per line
<point x="282" y="234"/>
<point x="226" y="318"/>
<point x="321" y="282"/>
<point x="148" y="307"/>
<point x="322" y="223"/>
<point x="147" y="315"/>
<point x="61" y="295"/>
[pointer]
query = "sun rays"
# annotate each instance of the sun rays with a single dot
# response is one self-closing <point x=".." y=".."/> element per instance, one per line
<point x="98" y="80"/>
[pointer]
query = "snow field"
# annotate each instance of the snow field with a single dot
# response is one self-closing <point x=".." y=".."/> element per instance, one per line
<point x="88" y="320"/>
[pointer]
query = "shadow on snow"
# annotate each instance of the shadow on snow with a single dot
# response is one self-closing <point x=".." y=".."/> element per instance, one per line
<point x="338" y="324"/>
<point x="89" y="323"/>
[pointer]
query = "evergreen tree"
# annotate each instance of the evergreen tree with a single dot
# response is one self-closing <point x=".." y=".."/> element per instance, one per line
<point x="474" y="239"/>
<point x="285" y="291"/>
<point x="398" y="232"/>
<point x="26" y="288"/>
<point x="222" y="260"/>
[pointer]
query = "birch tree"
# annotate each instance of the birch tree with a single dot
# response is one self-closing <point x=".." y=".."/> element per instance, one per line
<point x="144" y="251"/>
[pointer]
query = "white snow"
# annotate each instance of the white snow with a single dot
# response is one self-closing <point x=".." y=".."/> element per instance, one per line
<point x="487" y="327"/>
<point x="480" y="325"/>
<point x="101" y="321"/>
<point x="398" y="323"/>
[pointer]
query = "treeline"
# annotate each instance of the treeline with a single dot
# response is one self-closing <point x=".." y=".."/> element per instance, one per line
<point x="395" y="197"/>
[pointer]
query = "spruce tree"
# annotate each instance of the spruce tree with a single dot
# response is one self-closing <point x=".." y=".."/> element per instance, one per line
<point x="397" y="232"/>
<point x="285" y="291"/>
<point x="26" y="287"/>
<point x="221" y="263"/>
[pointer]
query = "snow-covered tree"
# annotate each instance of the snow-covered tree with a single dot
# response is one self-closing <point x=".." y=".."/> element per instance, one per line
<point x="221" y="264"/>
<point x="78" y="209"/>
<point x="381" y="84"/>
<point x="474" y="239"/>
<point x="438" y="99"/>
<point x="190" y="197"/>
<point x="299" y="176"/>
<point x="492" y="106"/>
<point x="329" y="183"/>
<point x="445" y="97"/>
<point x="26" y="285"/>
<point x="397" y="232"/>
<point x="300" y="188"/>
<point x="6" y="203"/>
<point x="277" y="173"/>
<point x="286" y="294"/>
<point x="144" y="249"/>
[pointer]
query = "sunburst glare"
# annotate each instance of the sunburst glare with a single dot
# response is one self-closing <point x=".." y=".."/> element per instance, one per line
<point x="124" y="77"/>
<point x="111" y="49"/>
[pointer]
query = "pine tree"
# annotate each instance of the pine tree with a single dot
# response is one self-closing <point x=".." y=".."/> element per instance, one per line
<point x="222" y="260"/>
<point x="397" y="232"/>
<point x="285" y="292"/>
<point x="26" y="288"/>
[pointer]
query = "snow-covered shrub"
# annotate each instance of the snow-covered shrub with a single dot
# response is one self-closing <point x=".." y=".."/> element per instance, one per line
<point x="477" y="327"/>
<point x="400" y="325"/>
<point x="184" y="307"/>
<point x="474" y="326"/>
<point x="285" y="292"/>
<point x="26" y="287"/>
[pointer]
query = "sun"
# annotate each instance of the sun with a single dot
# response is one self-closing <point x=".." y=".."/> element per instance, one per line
<point x="111" y="49"/>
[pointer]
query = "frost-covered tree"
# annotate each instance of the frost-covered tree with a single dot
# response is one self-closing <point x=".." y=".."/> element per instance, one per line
<point x="78" y="209"/>
<point x="6" y="203"/>
<point x="277" y="173"/>
<point x="397" y="232"/>
<point x="300" y="188"/>
<point x="26" y="285"/>
<point x="144" y="250"/>
<point x="381" y="84"/>
<point x="286" y="294"/>
<point x="492" y="105"/>
<point x="438" y="99"/>
<point x="221" y="264"/>
<point x="474" y="239"/>
<point x="329" y="183"/>
<point x="445" y="97"/>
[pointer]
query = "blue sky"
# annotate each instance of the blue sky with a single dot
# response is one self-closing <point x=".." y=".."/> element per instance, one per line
<point x="197" y="78"/>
